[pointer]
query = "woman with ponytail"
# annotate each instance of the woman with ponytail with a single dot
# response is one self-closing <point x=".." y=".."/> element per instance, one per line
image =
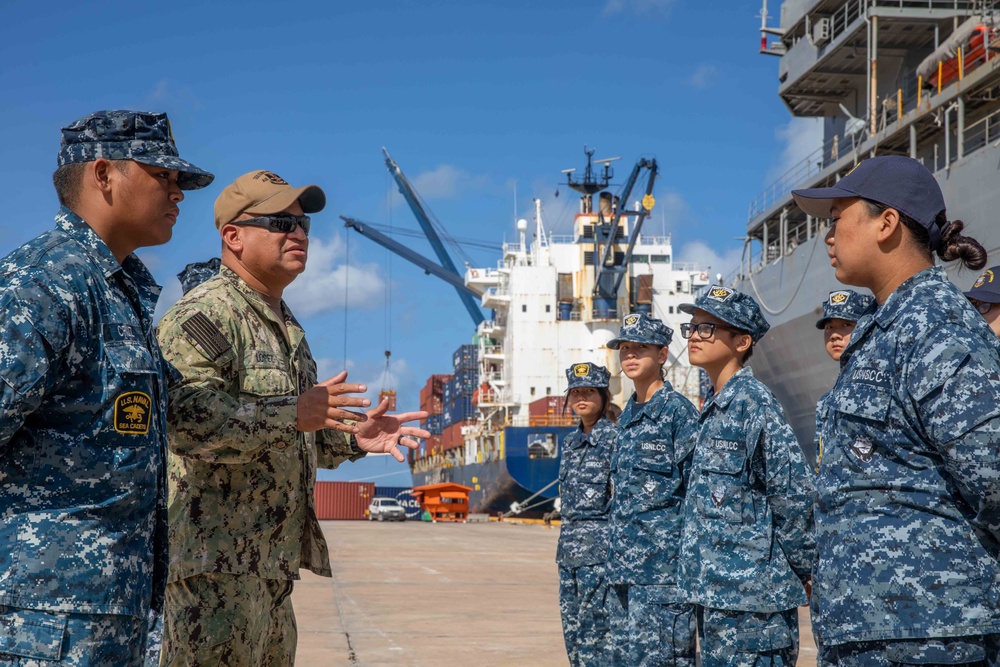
<point x="908" y="497"/>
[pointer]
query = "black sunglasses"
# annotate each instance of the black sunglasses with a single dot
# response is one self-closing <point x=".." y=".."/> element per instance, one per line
<point x="705" y="329"/>
<point x="279" y="224"/>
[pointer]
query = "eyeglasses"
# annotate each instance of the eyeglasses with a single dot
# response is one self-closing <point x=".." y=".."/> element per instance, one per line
<point x="279" y="224"/>
<point x="705" y="329"/>
<point x="982" y="306"/>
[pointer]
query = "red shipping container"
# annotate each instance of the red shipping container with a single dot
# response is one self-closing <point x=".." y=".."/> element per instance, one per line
<point x="451" y="436"/>
<point x="433" y="405"/>
<point x="547" y="406"/>
<point x="343" y="500"/>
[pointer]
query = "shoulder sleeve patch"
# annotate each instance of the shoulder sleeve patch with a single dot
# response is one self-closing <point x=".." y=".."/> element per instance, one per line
<point x="204" y="332"/>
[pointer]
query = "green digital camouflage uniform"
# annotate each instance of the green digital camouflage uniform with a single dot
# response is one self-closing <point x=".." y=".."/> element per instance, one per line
<point x="241" y="477"/>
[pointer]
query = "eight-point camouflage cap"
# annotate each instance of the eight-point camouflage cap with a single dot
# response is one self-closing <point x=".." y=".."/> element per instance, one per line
<point x="263" y="192"/>
<point x="987" y="286"/>
<point x="845" y="304"/>
<point x="732" y="307"/>
<point x="587" y="375"/>
<point x="641" y="328"/>
<point x="129" y="135"/>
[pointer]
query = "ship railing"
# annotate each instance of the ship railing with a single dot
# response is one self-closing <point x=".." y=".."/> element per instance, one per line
<point x="982" y="133"/>
<point x="541" y="420"/>
<point x="492" y="349"/>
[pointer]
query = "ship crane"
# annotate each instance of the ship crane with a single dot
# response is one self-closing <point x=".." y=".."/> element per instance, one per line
<point x="610" y="270"/>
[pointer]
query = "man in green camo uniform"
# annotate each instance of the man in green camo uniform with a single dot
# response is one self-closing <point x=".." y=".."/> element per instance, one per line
<point x="248" y="427"/>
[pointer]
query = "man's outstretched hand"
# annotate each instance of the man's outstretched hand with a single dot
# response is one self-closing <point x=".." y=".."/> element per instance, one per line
<point x="381" y="433"/>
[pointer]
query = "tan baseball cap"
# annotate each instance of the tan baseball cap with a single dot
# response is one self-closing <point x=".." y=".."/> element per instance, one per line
<point x="263" y="192"/>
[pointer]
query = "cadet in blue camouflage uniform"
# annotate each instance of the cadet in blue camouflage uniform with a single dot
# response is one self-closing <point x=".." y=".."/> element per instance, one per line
<point x="249" y="425"/>
<point x="841" y="311"/>
<point x="585" y="491"/>
<point x="651" y="624"/>
<point x="908" y="498"/>
<point x="985" y="297"/>
<point x="83" y="402"/>
<point x="747" y="547"/>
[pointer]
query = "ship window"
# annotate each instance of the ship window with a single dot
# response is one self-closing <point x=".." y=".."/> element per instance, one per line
<point x="642" y="259"/>
<point x="671" y="310"/>
<point x="532" y="391"/>
<point x="659" y="259"/>
<point x="548" y="308"/>
<point x="542" y="446"/>
<point x="680" y="286"/>
<point x="524" y="307"/>
<point x="548" y="391"/>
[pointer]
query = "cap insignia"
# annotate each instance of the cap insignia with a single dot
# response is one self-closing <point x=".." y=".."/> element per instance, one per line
<point x="270" y="177"/>
<point x="720" y="293"/>
<point x="581" y="370"/>
<point x="987" y="277"/>
<point x="838" y="297"/>
<point x="631" y="319"/>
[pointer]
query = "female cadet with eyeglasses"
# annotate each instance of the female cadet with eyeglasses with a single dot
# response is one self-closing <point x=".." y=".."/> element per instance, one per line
<point x="908" y="497"/>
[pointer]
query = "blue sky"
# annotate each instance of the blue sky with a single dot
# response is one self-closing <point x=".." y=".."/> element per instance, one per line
<point x="472" y="98"/>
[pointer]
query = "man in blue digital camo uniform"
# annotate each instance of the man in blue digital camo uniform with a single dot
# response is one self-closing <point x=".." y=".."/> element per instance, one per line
<point x="651" y="623"/>
<point x="585" y="491"/>
<point x="747" y="547"/>
<point x="908" y="495"/>
<point x="841" y="312"/>
<point x="83" y="402"/>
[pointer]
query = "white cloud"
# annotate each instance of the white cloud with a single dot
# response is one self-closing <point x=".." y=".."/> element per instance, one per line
<point x="328" y="280"/>
<point x="640" y="7"/>
<point x="371" y="373"/>
<point x="703" y="76"/>
<point x="800" y="138"/>
<point x="705" y="256"/>
<point x="446" y="181"/>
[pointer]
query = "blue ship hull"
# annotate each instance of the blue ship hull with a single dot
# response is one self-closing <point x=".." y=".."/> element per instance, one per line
<point x="531" y="464"/>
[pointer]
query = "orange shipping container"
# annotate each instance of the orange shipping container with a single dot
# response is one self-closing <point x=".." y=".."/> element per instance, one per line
<point x="343" y="500"/>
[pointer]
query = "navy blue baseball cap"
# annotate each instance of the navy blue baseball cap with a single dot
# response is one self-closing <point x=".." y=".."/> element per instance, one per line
<point x="845" y="304"/>
<point x="895" y="181"/>
<point x="732" y="307"/>
<point x="641" y="328"/>
<point x="987" y="286"/>
<point x="587" y="375"/>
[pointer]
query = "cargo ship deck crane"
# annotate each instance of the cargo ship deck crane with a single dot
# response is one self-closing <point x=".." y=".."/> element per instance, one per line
<point x="609" y="270"/>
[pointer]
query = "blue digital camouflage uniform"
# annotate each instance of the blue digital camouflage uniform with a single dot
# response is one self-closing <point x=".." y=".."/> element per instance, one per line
<point x="651" y="624"/>
<point x="196" y="273"/>
<point x="908" y="497"/>
<point x="241" y="475"/>
<point x="82" y="432"/>
<point x="846" y="305"/>
<point x="83" y="436"/>
<point x="747" y="543"/>
<point x="585" y="491"/>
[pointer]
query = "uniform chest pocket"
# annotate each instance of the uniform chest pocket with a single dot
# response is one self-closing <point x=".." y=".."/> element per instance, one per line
<point x="266" y="373"/>
<point x="863" y="411"/>
<point x="652" y="481"/>
<point x="720" y="489"/>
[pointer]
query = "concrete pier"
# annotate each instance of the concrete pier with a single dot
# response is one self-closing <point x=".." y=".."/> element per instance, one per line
<point x="422" y="595"/>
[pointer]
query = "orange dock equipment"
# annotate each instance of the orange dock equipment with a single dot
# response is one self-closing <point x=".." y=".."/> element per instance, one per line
<point x="446" y="501"/>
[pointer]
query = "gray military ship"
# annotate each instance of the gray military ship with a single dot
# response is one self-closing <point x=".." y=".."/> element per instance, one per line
<point x="901" y="77"/>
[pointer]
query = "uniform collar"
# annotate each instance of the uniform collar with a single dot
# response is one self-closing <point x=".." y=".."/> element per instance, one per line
<point x="730" y="390"/>
<point x="897" y="302"/>
<point x="651" y="408"/>
<point x="600" y="426"/>
<point x="77" y="228"/>
<point x="255" y="299"/>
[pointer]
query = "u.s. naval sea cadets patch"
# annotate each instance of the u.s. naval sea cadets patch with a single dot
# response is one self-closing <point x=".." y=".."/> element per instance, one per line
<point x="132" y="413"/>
<point x="630" y="320"/>
<point x="581" y="370"/>
<point x="838" y="297"/>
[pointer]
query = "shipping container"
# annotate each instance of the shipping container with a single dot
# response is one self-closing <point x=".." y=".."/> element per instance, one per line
<point x="405" y="497"/>
<point x="459" y="410"/>
<point x="464" y="382"/>
<point x="433" y="405"/>
<point x="343" y="500"/>
<point x="434" y="424"/>
<point x="451" y="436"/>
<point x="465" y="358"/>
<point x="547" y="406"/>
